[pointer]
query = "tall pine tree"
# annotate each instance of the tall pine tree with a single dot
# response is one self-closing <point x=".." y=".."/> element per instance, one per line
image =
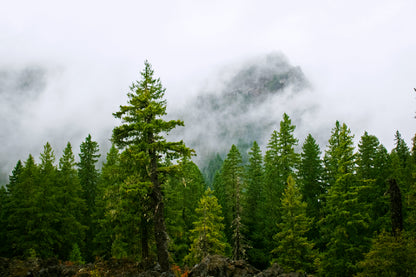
<point x="207" y="234"/>
<point x="253" y="217"/>
<point x="88" y="177"/>
<point x="142" y="131"/>
<point x="71" y="204"/>
<point x="311" y="183"/>
<point x="294" y="252"/>
<point x="373" y="170"/>
<point x="232" y="175"/>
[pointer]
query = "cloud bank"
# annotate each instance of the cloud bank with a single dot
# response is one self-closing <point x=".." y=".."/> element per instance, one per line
<point x="80" y="58"/>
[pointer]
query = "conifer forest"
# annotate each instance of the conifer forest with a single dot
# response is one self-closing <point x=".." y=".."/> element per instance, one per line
<point x="343" y="209"/>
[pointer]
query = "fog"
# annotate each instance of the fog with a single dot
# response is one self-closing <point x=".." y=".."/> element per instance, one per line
<point x="66" y="67"/>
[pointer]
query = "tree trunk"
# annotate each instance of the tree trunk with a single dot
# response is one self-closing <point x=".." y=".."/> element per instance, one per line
<point x="144" y="240"/>
<point x="395" y="207"/>
<point x="161" y="235"/>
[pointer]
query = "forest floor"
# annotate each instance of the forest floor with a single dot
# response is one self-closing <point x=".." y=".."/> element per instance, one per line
<point x="217" y="266"/>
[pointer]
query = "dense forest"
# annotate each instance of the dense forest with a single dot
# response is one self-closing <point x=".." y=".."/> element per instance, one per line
<point x="339" y="211"/>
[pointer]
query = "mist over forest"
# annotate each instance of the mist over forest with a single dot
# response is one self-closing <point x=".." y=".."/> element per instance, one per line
<point x="239" y="103"/>
<point x="263" y="185"/>
<point x="262" y="137"/>
<point x="236" y="104"/>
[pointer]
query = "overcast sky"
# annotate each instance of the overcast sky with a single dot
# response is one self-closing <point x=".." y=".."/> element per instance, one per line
<point x="360" y="57"/>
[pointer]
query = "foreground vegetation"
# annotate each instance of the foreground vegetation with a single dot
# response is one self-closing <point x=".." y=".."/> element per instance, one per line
<point x="340" y="212"/>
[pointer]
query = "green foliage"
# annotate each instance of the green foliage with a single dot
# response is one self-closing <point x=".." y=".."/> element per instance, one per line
<point x="4" y="247"/>
<point x="373" y="169"/>
<point x="72" y="206"/>
<point x="390" y="256"/>
<point x="75" y="255"/>
<point x="207" y="235"/>
<point x="106" y="200"/>
<point x="142" y="132"/>
<point x="214" y="166"/>
<point x="294" y="252"/>
<point x="253" y="217"/>
<point x="232" y="180"/>
<point x="30" y="254"/>
<point x="88" y="178"/>
<point x="288" y="158"/>
<point x="339" y="157"/>
<point x="311" y="184"/>
<point x="183" y="191"/>
<point x="45" y="236"/>
<point x="283" y="207"/>
<point x="21" y="208"/>
<point x="345" y="227"/>
<point x="280" y="161"/>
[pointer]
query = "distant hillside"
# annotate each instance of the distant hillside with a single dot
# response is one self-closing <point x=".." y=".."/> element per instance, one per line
<point x="244" y="103"/>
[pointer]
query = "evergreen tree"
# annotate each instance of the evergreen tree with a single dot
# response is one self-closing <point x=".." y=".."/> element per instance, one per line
<point x="22" y="208"/>
<point x="271" y="195"/>
<point x="88" y="177"/>
<point x="345" y="227"/>
<point x="403" y="173"/>
<point x="339" y="158"/>
<point x="280" y="161"/>
<point x="47" y="216"/>
<point x="14" y="179"/>
<point x="253" y="216"/>
<point x="75" y="255"/>
<point x="108" y="193"/>
<point x="373" y="169"/>
<point x="183" y="190"/>
<point x="310" y="183"/>
<point x="232" y="179"/>
<point x="142" y="132"/>
<point x="4" y="247"/>
<point x="411" y="195"/>
<point x="289" y="159"/>
<point x="213" y="167"/>
<point x="71" y="204"/>
<point x="294" y="252"/>
<point x="390" y="256"/>
<point x="8" y="195"/>
<point x="207" y="236"/>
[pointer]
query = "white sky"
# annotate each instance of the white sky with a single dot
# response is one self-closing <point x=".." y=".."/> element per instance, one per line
<point x="360" y="57"/>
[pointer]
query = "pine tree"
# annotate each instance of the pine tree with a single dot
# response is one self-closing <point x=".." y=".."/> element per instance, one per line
<point x="108" y="193"/>
<point x="8" y="207"/>
<point x="71" y="204"/>
<point x="339" y="158"/>
<point x="142" y="131"/>
<point x="310" y="183"/>
<point x="183" y="190"/>
<point x="4" y="200"/>
<point x="207" y="236"/>
<point x="253" y="217"/>
<point x="22" y="207"/>
<point x="294" y="252"/>
<point x="88" y="177"/>
<point x="390" y="256"/>
<point x="271" y="194"/>
<point x="280" y="161"/>
<point x="289" y="159"/>
<point x="345" y="227"/>
<point x="373" y="169"/>
<point x="47" y="215"/>
<point x="213" y="167"/>
<point x="411" y="195"/>
<point x="232" y="174"/>
<point x="75" y="255"/>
